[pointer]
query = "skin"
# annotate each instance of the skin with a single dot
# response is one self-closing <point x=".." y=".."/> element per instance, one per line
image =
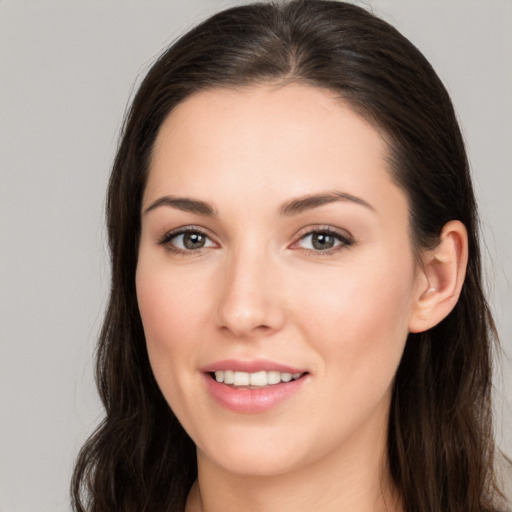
<point x="258" y="288"/>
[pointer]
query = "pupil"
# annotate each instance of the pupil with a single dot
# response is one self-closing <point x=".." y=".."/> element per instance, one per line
<point x="322" y="241"/>
<point x="193" y="240"/>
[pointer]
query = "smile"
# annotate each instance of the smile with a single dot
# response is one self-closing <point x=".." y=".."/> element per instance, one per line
<point x="255" y="379"/>
<point x="252" y="387"/>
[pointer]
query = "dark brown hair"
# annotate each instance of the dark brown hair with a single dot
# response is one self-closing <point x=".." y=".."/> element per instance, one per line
<point x="440" y="441"/>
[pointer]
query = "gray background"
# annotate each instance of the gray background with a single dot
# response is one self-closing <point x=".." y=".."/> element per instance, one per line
<point x="67" y="69"/>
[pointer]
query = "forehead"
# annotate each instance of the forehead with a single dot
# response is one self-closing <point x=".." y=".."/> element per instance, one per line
<point x="253" y="113"/>
<point x="288" y="140"/>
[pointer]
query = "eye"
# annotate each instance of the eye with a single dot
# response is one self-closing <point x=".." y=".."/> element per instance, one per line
<point x="323" y="240"/>
<point x="186" y="240"/>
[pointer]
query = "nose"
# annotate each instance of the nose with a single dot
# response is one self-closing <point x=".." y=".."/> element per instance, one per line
<point x="249" y="303"/>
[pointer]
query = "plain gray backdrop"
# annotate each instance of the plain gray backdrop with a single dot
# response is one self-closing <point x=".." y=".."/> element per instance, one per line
<point x="67" y="69"/>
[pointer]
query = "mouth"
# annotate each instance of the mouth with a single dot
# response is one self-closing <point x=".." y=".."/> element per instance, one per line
<point x="255" y="386"/>
<point x="254" y="380"/>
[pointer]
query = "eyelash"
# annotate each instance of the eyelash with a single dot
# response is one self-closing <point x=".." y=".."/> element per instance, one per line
<point x="345" y="241"/>
<point x="165" y="241"/>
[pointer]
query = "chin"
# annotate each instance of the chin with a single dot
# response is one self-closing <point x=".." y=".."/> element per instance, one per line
<point x="275" y="447"/>
<point x="266" y="453"/>
<point x="257" y="463"/>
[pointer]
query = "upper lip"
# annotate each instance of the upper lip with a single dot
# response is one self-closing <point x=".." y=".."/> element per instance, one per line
<point x="252" y="366"/>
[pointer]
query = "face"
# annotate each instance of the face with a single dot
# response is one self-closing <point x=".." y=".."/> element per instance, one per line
<point x="274" y="246"/>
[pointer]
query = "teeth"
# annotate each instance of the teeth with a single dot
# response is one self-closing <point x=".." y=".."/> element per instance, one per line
<point x="286" y="377"/>
<point x="241" y="379"/>
<point x="273" y="377"/>
<point x="257" y="379"/>
<point x="229" y="377"/>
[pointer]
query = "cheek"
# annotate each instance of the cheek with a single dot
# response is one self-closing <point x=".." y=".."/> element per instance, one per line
<point x="357" y="325"/>
<point x="172" y="301"/>
<point x="360" y="319"/>
<point x="167" y="313"/>
<point x="171" y="315"/>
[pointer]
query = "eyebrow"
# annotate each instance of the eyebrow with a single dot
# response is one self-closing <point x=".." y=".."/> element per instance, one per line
<point x="185" y="204"/>
<point x="296" y="206"/>
<point x="292" y="207"/>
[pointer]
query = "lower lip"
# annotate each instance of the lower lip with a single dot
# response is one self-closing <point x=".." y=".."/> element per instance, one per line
<point x="252" y="401"/>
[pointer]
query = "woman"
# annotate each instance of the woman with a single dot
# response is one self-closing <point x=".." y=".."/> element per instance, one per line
<point x="296" y="317"/>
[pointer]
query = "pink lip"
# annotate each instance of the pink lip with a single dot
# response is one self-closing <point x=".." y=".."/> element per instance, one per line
<point x="251" y="401"/>
<point x="255" y="365"/>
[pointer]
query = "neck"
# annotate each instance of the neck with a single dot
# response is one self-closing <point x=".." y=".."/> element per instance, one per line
<point x="354" y="478"/>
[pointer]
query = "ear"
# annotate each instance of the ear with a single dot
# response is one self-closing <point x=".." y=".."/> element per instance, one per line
<point x="440" y="278"/>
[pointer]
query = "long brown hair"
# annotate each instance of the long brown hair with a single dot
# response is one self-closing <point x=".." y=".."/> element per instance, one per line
<point x="440" y="442"/>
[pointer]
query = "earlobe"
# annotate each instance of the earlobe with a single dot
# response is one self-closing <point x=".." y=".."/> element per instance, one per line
<point x="442" y="276"/>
